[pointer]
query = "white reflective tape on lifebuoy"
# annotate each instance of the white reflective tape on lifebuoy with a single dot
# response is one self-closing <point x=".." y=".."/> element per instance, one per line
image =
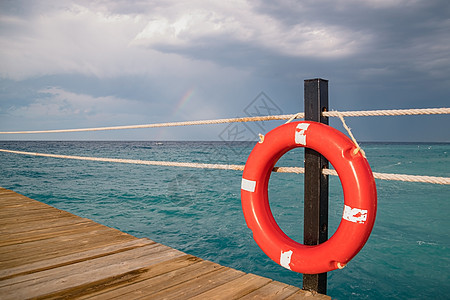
<point x="300" y="133"/>
<point x="354" y="215"/>
<point x="285" y="259"/>
<point x="248" y="185"/>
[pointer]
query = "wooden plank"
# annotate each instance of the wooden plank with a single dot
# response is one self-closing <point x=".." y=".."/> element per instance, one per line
<point x="117" y="285"/>
<point x="12" y="198"/>
<point x="236" y="288"/>
<point x="5" y="191"/>
<point x="58" y="241"/>
<point x="48" y="253"/>
<point x="7" y="203"/>
<point x="60" y="246"/>
<point x="161" y="282"/>
<point x="274" y="291"/>
<point x="72" y="258"/>
<point x="30" y="226"/>
<point x="30" y="214"/>
<point x="64" y="278"/>
<point x="26" y="258"/>
<point x="64" y="247"/>
<point x="35" y="217"/>
<point x="45" y="233"/>
<point x="199" y="284"/>
<point x="84" y="265"/>
<point x="30" y="208"/>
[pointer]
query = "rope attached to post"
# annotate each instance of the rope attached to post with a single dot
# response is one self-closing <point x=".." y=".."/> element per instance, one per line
<point x="299" y="115"/>
<point x="358" y="147"/>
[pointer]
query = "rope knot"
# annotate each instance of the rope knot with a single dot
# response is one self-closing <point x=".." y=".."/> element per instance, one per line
<point x="358" y="147"/>
<point x="295" y="116"/>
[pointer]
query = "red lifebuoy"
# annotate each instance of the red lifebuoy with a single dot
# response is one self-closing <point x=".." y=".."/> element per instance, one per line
<point x="358" y="184"/>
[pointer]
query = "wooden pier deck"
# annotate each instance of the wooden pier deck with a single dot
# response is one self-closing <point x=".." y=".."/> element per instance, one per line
<point x="47" y="253"/>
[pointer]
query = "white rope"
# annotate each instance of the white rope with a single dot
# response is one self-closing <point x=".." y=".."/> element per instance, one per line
<point x="290" y="117"/>
<point x="401" y="177"/>
<point x="155" y="125"/>
<point x="298" y="170"/>
<point x="412" y="178"/>
<point x="358" y="148"/>
<point x="387" y="112"/>
<point x="135" y="161"/>
<point x="296" y="116"/>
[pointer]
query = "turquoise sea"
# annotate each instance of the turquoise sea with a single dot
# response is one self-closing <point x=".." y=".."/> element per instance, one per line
<point x="199" y="211"/>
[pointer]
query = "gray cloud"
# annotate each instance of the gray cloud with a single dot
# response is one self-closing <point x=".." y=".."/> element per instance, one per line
<point x="376" y="54"/>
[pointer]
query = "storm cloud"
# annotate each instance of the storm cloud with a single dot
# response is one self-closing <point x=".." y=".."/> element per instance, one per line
<point x="72" y="64"/>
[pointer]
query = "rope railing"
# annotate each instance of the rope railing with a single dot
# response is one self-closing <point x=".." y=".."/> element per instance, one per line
<point x="298" y="170"/>
<point x="289" y="117"/>
<point x="156" y="125"/>
<point x="366" y="113"/>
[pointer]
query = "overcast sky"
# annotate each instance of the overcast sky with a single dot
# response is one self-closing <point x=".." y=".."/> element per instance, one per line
<point x="76" y="64"/>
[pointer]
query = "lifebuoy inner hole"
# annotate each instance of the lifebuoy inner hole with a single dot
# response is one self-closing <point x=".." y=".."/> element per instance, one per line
<point x="286" y="197"/>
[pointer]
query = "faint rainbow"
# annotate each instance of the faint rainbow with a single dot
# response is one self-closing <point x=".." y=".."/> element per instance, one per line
<point x="183" y="101"/>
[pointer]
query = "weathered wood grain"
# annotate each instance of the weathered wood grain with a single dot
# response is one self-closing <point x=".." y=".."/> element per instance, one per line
<point x="46" y="253"/>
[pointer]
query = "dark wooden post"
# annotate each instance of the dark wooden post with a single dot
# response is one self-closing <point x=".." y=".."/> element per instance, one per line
<point x="316" y="184"/>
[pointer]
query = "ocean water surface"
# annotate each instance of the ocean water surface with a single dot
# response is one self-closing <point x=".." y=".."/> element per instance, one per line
<point x="199" y="211"/>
